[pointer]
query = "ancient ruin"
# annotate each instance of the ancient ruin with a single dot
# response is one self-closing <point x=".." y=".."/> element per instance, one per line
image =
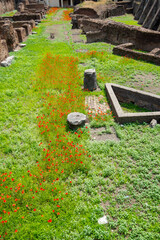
<point x="128" y="50"/>
<point x="95" y="24"/>
<point x="14" y="29"/>
<point x="117" y="93"/>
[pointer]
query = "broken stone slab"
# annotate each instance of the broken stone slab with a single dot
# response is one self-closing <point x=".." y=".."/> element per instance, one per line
<point x="22" y="45"/>
<point x="7" y="62"/>
<point x="153" y="123"/>
<point x="103" y="220"/>
<point x="76" y="119"/>
<point x="90" y="80"/>
<point x="155" y="51"/>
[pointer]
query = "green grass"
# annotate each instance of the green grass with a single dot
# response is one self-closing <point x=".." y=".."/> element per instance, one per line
<point x="130" y="107"/>
<point x="119" y="180"/>
<point x="127" y="19"/>
<point x="9" y="14"/>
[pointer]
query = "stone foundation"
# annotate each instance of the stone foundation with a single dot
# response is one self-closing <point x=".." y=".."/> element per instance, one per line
<point x="117" y="93"/>
<point x="118" y="33"/>
<point x="25" y="24"/>
<point x="123" y="50"/>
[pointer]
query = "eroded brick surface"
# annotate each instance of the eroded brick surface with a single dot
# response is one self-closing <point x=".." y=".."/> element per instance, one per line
<point x="96" y="104"/>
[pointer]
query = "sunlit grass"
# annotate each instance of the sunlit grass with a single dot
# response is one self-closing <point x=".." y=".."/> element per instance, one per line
<point x="127" y="19"/>
<point x="57" y="183"/>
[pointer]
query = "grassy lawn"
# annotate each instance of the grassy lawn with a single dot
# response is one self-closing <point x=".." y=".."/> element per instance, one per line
<point x="56" y="183"/>
<point x="127" y="19"/>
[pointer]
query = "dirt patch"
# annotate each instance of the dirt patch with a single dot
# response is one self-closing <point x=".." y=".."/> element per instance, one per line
<point x="100" y="134"/>
<point x="56" y="30"/>
<point x="76" y="36"/>
<point x="145" y="82"/>
<point x="82" y="50"/>
<point x="105" y="205"/>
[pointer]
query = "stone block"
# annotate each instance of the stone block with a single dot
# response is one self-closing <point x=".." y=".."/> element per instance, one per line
<point x="7" y="62"/>
<point x="10" y="35"/>
<point x="3" y="50"/>
<point x="21" y="34"/>
<point x="90" y="80"/>
<point x="76" y="120"/>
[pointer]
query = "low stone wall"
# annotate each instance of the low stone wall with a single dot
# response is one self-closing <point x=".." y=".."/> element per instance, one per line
<point x="88" y="26"/>
<point x="75" y="20"/>
<point x="89" y="12"/>
<point x="152" y="57"/>
<point x="117" y="93"/>
<point x="118" y="33"/>
<point x="39" y="7"/>
<point x="148" y="101"/>
<point x="20" y="23"/>
<point x="26" y="17"/>
<point x="25" y="25"/>
<point x="115" y="11"/>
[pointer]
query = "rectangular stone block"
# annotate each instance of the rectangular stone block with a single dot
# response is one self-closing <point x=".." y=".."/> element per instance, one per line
<point x="3" y="50"/>
<point x="21" y="34"/>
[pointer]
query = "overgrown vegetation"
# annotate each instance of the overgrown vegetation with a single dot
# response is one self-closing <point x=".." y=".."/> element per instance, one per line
<point x="56" y="183"/>
<point x="127" y="19"/>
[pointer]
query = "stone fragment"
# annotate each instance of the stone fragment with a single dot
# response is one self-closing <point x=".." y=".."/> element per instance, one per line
<point x="52" y="36"/>
<point x="22" y="45"/>
<point x="103" y="220"/>
<point x="90" y="80"/>
<point x="76" y="119"/>
<point x="153" y="123"/>
<point x="34" y="32"/>
<point x="7" y="62"/>
<point x="155" y="51"/>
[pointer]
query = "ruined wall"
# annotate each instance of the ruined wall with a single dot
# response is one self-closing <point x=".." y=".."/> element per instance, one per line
<point x="128" y="50"/>
<point x="6" y="6"/>
<point x="119" y="33"/>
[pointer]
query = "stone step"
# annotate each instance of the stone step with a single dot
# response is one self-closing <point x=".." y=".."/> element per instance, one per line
<point x="154" y="24"/>
<point x="140" y="9"/>
<point x="151" y="14"/>
<point x="136" y="5"/>
<point x="146" y="9"/>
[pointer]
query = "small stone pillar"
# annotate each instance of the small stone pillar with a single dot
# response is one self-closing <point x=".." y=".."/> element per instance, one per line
<point x="90" y="80"/>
